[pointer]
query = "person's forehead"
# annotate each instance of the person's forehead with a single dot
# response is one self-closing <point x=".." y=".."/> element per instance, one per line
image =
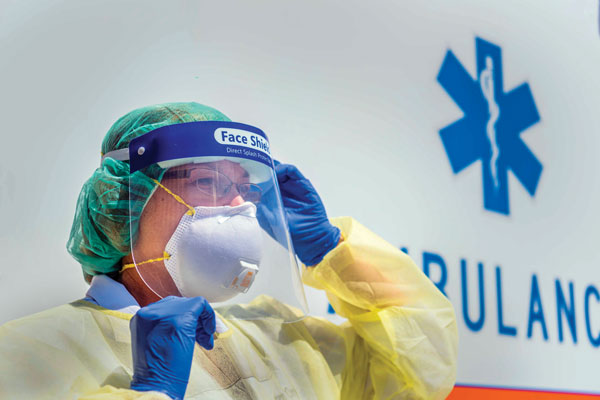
<point x="224" y="166"/>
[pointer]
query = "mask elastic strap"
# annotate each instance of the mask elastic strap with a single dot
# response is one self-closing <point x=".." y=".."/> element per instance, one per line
<point x="165" y="256"/>
<point x="190" y="211"/>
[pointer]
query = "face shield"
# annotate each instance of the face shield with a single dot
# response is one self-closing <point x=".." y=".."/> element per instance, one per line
<point x="214" y="226"/>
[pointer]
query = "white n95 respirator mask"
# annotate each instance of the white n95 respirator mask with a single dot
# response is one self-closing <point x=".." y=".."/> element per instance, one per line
<point x="216" y="252"/>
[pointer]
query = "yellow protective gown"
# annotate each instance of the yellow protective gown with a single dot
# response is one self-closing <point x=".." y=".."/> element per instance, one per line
<point x="400" y="341"/>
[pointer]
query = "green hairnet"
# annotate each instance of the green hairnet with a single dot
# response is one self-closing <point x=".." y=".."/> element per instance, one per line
<point x="100" y="235"/>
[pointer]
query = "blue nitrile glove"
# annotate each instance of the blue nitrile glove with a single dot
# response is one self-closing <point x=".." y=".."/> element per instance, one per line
<point x="266" y="215"/>
<point x="163" y="335"/>
<point x="313" y="236"/>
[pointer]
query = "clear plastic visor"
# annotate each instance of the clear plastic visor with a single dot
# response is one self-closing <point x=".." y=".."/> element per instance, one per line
<point x="215" y="227"/>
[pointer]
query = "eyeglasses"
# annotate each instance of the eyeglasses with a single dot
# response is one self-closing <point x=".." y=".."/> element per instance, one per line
<point x="212" y="183"/>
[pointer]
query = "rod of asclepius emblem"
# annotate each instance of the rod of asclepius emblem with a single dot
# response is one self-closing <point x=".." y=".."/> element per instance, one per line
<point x="486" y="81"/>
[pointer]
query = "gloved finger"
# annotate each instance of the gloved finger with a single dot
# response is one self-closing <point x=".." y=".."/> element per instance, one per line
<point x="156" y="310"/>
<point x="276" y="162"/>
<point x="206" y="341"/>
<point x="286" y="172"/>
<point x="210" y="343"/>
<point x="207" y="324"/>
<point x="208" y="320"/>
<point x="200" y="308"/>
<point x="292" y="183"/>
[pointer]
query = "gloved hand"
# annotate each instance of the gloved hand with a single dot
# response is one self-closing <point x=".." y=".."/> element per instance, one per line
<point x="163" y="335"/>
<point x="313" y="236"/>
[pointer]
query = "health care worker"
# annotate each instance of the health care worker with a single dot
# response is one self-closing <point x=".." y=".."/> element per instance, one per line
<point x="190" y="219"/>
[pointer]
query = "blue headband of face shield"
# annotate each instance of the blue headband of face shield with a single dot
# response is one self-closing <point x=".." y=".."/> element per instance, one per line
<point x="186" y="141"/>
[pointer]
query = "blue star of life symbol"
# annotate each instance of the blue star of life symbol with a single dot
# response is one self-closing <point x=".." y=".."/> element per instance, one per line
<point x="491" y="127"/>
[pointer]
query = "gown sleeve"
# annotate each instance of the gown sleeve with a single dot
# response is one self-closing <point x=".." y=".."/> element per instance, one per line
<point x="401" y="339"/>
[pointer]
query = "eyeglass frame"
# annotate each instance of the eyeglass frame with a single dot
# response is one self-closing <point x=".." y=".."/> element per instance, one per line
<point x="185" y="173"/>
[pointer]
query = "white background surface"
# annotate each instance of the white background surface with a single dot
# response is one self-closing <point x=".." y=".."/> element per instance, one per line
<point x="348" y="92"/>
